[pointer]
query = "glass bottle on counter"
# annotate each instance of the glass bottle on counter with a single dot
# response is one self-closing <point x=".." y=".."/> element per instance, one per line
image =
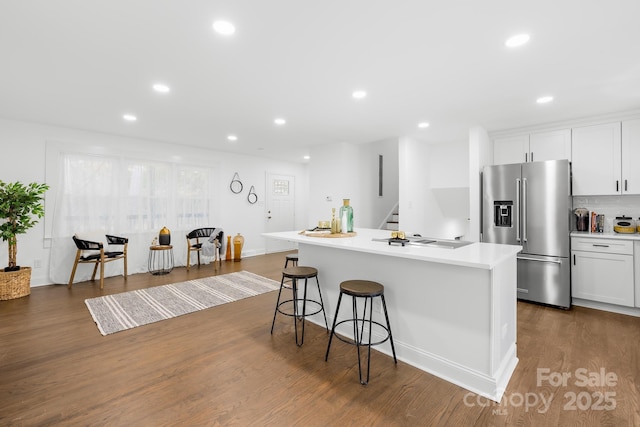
<point x="346" y="211"/>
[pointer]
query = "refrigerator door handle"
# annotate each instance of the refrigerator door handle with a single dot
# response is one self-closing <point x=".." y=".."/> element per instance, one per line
<point x="524" y="209"/>
<point x="517" y="210"/>
<point x="555" y="261"/>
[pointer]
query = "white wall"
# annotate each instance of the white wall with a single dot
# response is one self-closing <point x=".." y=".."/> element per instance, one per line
<point x="413" y="156"/>
<point x="375" y="209"/>
<point x="24" y="159"/>
<point x="434" y="186"/>
<point x="350" y="171"/>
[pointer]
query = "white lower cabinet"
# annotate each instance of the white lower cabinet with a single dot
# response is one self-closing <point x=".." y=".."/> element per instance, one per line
<point x="602" y="270"/>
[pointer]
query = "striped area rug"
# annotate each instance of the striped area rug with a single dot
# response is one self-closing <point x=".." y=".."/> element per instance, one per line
<point x="115" y="313"/>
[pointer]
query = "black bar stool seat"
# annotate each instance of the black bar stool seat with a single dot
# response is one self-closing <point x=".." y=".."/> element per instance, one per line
<point x="299" y="312"/>
<point x="367" y="290"/>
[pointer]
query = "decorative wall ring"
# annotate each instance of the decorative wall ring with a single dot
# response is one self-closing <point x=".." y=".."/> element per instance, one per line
<point x="236" y="184"/>
<point x="252" y="197"/>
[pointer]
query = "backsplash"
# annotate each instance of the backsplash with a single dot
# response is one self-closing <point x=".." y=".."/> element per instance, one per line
<point x="609" y="206"/>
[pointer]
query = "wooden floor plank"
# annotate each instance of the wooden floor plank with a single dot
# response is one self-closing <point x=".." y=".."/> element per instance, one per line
<point x="222" y="367"/>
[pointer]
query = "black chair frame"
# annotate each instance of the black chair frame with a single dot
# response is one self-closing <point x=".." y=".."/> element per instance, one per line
<point x="101" y="257"/>
<point x="198" y="234"/>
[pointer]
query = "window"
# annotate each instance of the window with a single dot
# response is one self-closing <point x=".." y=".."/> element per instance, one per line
<point x="280" y="187"/>
<point x="131" y="195"/>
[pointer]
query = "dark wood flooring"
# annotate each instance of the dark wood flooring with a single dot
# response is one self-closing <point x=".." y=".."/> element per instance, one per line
<point x="222" y="367"/>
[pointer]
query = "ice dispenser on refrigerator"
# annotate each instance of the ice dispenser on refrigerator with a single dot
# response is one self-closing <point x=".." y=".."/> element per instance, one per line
<point x="503" y="214"/>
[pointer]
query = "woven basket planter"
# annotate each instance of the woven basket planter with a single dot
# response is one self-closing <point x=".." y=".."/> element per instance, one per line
<point x="15" y="284"/>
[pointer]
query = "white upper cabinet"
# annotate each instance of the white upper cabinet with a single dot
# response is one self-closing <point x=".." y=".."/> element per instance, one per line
<point x="604" y="158"/>
<point x="510" y="150"/>
<point x="630" y="156"/>
<point x="555" y="145"/>
<point x="596" y="161"/>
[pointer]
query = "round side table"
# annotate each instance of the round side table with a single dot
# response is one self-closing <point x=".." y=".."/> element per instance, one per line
<point x="160" y="259"/>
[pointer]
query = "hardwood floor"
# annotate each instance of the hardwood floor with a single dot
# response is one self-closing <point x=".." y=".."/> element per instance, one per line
<point x="222" y="367"/>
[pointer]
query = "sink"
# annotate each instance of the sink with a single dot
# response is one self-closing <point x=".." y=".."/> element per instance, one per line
<point x="422" y="242"/>
<point x="434" y="243"/>
<point x="449" y="244"/>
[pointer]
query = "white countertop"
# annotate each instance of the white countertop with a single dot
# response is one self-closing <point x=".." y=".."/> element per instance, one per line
<point x="618" y="236"/>
<point x="476" y="255"/>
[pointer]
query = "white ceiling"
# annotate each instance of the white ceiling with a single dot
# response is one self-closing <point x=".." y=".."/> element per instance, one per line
<point x="83" y="64"/>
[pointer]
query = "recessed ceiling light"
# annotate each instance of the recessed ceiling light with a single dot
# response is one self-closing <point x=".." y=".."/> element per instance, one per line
<point x="162" y="88"/>
<point x="359" y="94"/>
<point x="517" y="40"/>
<point x="280" y="121"/>
<point x="232" y="138"/>
<point x="306" y="157"/>
<point x="130" y="117"/>
<point x="544" y="99"/>
<point x="224" y="28"/>
<point x="423" y="125"/>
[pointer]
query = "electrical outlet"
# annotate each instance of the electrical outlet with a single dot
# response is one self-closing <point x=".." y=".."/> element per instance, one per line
<point x="37" y="263"/>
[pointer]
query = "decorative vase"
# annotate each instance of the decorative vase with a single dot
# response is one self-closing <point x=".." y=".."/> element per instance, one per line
<point x="227" y="256"/>
<point x="238" y="243"/>
<point x="164" y="237"/>
<point x="346" y="212"/>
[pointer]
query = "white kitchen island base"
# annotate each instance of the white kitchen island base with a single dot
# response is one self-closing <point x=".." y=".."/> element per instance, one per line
<point x="452" y="311"/>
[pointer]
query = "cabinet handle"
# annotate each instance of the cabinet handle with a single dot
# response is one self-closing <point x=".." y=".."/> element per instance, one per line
<point x="526" y="159"/>
<point x="617" y="185"/>
<point x="532" y="156"/>
<point x="601" y="246"/>
<point x="625" y="185"/>
<point x="574" y="260"/>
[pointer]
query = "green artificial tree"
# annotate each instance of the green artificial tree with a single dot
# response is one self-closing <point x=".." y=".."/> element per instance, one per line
<point x="20" y="208"/>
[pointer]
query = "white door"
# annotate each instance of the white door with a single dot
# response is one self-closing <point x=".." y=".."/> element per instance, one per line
<point x="280" y="210"/>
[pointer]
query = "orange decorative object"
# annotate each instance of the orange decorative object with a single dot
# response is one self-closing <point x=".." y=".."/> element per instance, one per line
<point x="227" y="256"/>
<point x="238" y="243"/>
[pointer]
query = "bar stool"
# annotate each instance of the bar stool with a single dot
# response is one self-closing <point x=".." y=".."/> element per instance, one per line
<point x="368" y="290"/>
<point x="299" y="313"/>
<point x="293" y="258"/>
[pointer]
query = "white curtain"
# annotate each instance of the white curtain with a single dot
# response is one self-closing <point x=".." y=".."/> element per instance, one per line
<point x="128" y="197"/>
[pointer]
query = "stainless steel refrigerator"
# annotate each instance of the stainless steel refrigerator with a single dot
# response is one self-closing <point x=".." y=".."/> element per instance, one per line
<point x="529" y="204"/>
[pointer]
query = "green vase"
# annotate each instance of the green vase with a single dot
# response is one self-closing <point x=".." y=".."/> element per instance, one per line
<point x="347" y="210"/>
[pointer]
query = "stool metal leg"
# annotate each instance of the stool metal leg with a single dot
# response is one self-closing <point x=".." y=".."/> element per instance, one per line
<point x="386" y="316"/>
<point x="302" y="317"/>
<point x="333" y="328"/>
<point x="294" y="287"/>
<point x="322" y="305"/>
<point x="277" y="304"/>
<point x="360" y="335"/>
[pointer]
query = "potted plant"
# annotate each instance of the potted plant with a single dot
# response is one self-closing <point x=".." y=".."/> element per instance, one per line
<point x="20" y="208"/>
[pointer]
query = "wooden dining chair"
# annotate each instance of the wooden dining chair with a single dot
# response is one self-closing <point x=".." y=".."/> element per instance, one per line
<point x="196" y="238"/>
<point x="94" y="252"/>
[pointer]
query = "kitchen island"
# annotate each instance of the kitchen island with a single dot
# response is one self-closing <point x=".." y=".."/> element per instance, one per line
<point x="452" y="311"/>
